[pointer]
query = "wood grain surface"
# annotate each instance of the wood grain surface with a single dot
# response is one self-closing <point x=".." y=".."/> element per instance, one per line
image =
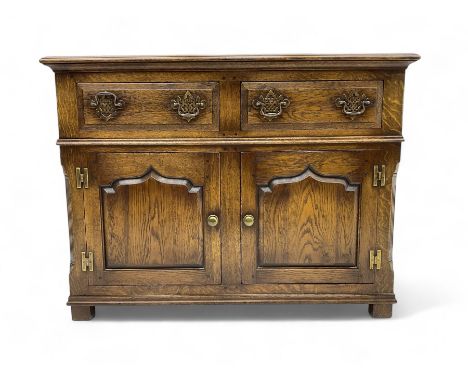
<point x="146" y="218"/>
<point x="315" y="217"/>
<point x="157" y="222"/>
<point x="305" y="177"/>
<point x="252" y="62"/>
<point x="312" y="105"/>
<point x="71" y="105"/>
<point x="320" y="224"/>
<point x="148" y="106"/>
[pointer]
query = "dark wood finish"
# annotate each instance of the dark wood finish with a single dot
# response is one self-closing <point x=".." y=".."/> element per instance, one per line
<point x="305" y="176"/>
<point x="216" y="142"/>
<point x="324" y="212"/>
<point x="169" y="210"/>
<point x="230" y="191"/>
<point x="317" y="217"/>
<point x="153" y="229"/>
<point x="148" y="106"/>
<point x="71" y="158"/>
<point x="278" y="62"/>
<point x="229" y="85"/>
<point x="334" y="292"/>
<point x="312" y="105"/>
<point x="242" y="298"/>
<point x="82" y="312"/>
<point x="380" y="310"/>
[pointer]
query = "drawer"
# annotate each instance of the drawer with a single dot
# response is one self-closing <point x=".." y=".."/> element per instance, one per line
<point x="311" y="105"/>
<point x="148" y="106"/>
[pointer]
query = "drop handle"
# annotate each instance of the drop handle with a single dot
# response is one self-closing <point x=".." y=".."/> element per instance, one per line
<point x="248" y="220"/>
<point x="353" y="103"/>
<point x="270" y="104"/>
<point x="212" y="220"/>
<point x="188" y="105"/>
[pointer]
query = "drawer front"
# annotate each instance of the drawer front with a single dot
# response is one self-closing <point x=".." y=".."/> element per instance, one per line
<point x="311" y="105"/>
<point x="153" y="106"/>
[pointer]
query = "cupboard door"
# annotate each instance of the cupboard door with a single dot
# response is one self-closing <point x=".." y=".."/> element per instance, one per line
<point x="308" y="217"/>
<point x="148" y="218"/>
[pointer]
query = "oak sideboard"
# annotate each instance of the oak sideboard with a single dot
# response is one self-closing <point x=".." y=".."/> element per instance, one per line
<point x="230" y="179"/>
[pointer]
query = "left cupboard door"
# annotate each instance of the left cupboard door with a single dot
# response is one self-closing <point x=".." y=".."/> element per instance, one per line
<point x="153" y="218"/>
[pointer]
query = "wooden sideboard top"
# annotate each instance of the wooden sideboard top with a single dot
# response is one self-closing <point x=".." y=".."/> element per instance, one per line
<point x="271" y="62"/>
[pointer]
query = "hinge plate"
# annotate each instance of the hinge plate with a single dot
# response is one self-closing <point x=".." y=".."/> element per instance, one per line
<point x="375" y="259"/>
<point x="87" y="262"/>
<point x="81" y="177"/>
<point x="379" y="175"/>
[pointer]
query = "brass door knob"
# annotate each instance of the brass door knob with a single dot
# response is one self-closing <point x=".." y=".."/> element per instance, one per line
<point x="248" y="220"/>
<point x="212" y="220"/>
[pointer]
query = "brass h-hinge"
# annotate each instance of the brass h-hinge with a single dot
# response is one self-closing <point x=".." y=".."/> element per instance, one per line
<point x="379" y="175"/>
<point x="375" y="259"/>
<point x="81" y="177"/>
<point x="87" y="261"/>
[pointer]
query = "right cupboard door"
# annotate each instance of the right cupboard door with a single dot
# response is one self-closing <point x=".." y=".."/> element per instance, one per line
<point x="308" y="216"/>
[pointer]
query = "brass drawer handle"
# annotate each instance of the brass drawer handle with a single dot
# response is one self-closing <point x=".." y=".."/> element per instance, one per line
<point x="213" y="220"/>
<point x="107" y="105"/>
<point x="188" y="106"/>
<point x="353" y="103"/>
<point x="271" y="104"/>
<point x="248" y="220"/>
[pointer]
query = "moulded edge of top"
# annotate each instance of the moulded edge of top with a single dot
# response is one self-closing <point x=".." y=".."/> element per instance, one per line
<point x="271" y="62"/>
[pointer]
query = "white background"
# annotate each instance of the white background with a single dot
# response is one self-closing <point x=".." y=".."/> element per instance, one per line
<point x="425" y="340"/>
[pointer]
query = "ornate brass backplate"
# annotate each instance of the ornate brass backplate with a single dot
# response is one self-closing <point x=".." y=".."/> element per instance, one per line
<point x="188" y="106"/>
<point x="270" y="104"/>
<point x="353" y="103"/>
<point x="107" y="105"/>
